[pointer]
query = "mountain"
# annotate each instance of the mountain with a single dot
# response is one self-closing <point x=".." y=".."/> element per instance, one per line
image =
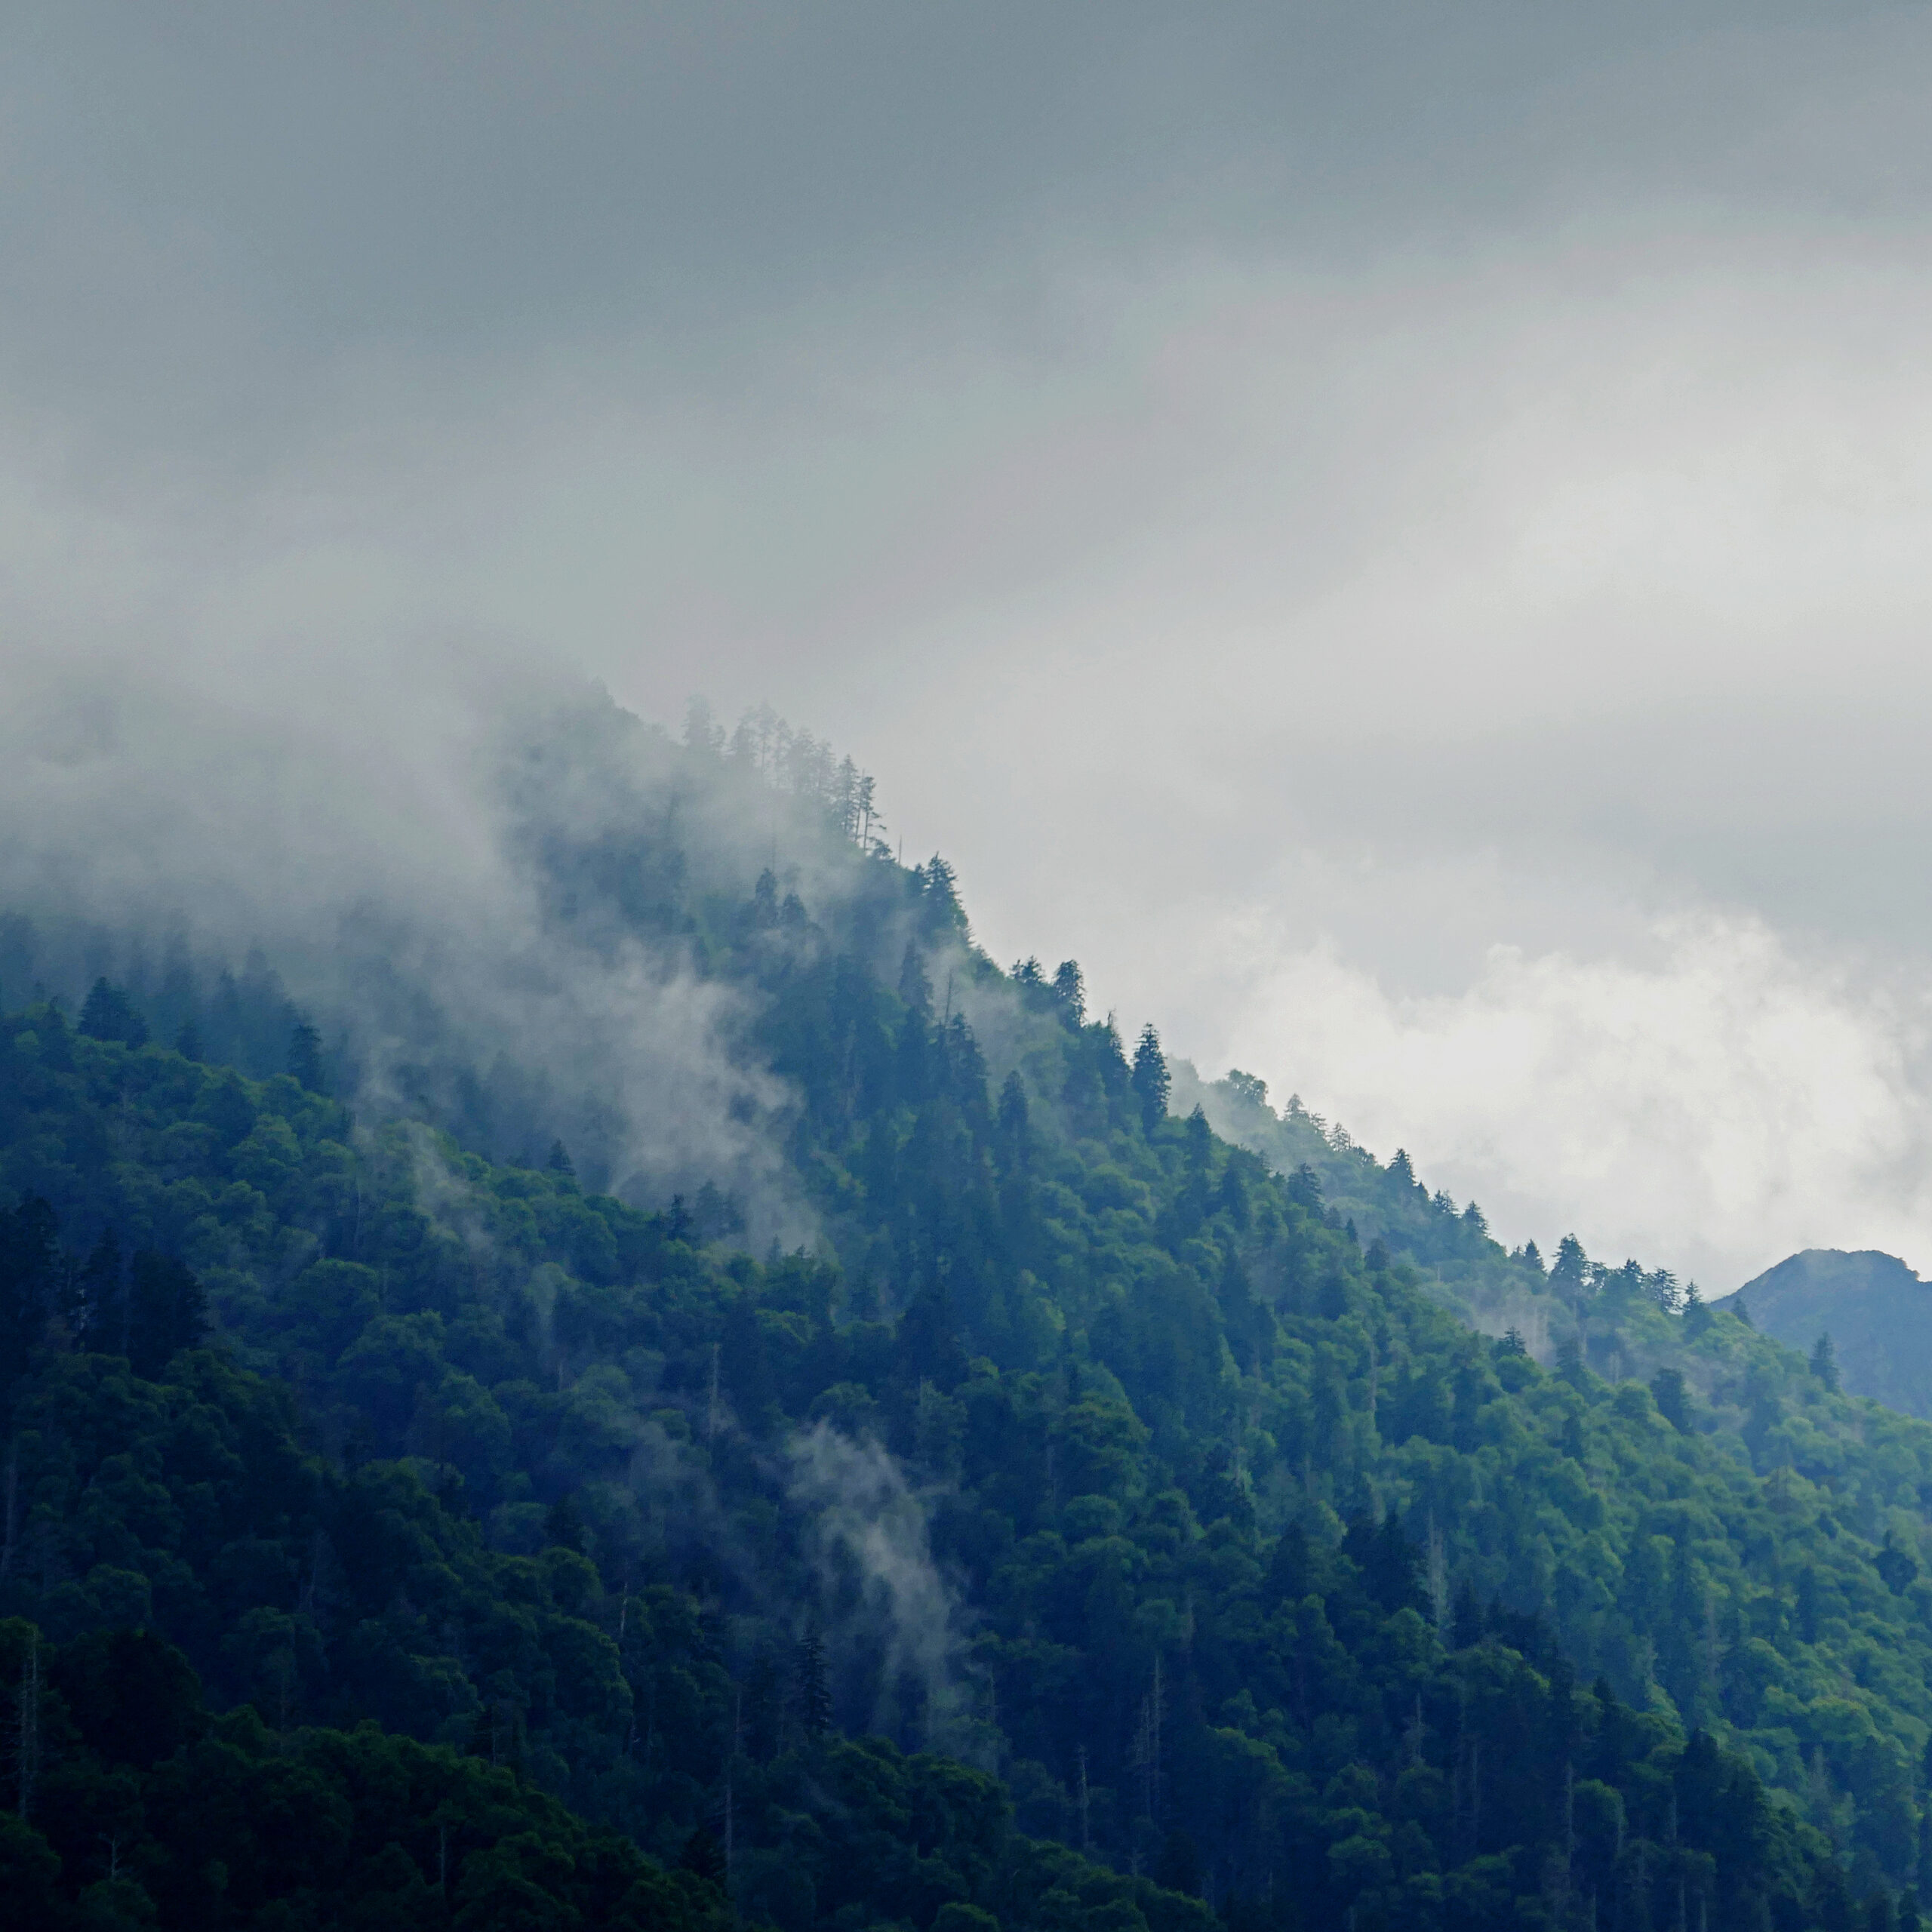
<point x="1876" y="1311"/>
<point x="913" y="1471"/>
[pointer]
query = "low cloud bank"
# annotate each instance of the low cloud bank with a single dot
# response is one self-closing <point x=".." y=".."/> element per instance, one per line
<point x="1711" y="1107"/>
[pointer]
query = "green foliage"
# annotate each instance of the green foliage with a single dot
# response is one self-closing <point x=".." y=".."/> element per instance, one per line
<point x="1824" y="1363"/>
<point x="148" y="1811"/>
<point x="1085" y="1530"/>
<point x="1877" y="1312"/>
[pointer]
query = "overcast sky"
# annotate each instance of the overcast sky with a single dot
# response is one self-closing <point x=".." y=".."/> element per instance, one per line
<point x="1401" y="536"/>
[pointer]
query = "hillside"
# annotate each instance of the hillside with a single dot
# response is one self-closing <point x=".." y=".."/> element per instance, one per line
<point x="1070" y="1520"/>
<point x="1876" y="1311"/>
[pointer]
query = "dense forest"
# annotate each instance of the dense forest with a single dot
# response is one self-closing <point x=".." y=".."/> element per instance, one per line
<point x="1010" y="1494"/>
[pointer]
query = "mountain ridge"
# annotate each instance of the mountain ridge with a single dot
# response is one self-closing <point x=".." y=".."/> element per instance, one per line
<point x="1876" y="1310"/>
<point x="1084" y="1526"/>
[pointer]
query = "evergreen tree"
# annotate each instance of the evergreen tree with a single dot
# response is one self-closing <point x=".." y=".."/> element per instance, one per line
<point x="1895" y="1564"/>
<point x="1569" y="1362"/>
<point x="1151" y="1081"/>
<point x="97" y="1315"/>
<point x="305" y="1056"/>
<point x="702" y="732"/>
<point x="703" y="1857"/>
<point x="1178" y="1868"/>
<point x="108" y="1014"/>
<point x="1013" y="1112"/>
<point x="27" y="1261"/>
<point x="812" y="1692"/>
<point x="940" y="909"/>
<point x="763" y="1709"/>
<point x="1070" y="989"/>
<point x="167" y="1312"/>
<point x="915" y="988"/>
<point x="563" y="1526"/>
<point x="1304" y="1184"/>
<point x="1668" y="1391"/>
<point x="1013" y="1151"/>
<point x="1824" y="1363"/>
<point x="1807" y="1604"/>
<point x="1697" y="1316"/>
<point x="1569" y="1273"/>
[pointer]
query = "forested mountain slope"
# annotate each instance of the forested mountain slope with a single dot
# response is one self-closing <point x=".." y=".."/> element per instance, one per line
<point x="1875" y="1310"/>
<point x="1077" y="1525"/>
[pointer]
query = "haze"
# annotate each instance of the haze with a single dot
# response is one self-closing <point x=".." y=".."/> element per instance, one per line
<point x="1397" y="536"/>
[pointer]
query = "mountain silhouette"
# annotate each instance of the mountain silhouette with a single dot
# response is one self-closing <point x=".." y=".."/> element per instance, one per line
<point x="1877" y="1311"/>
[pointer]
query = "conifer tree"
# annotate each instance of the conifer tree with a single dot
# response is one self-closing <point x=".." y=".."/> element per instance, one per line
<point x="811" y="1693"/>
<point x="703" y="1855"/>
<point x="108" y="1014"/>
<point x="96" y="1312"/>
<point x="1697" y="1317"/>
<point x="167" y="1312"/>
<point x="1570" y="1270"/>
<point x="1807" y="1604"/>
<point x="305" y="1056"/>
<point x="1070" y="989"/>
<point x="1824" y="1363"/>
<point x="1012" y="1118"/>
<point x="761" y="1709"/>
<point x="914" y="988"/>
<point x="1667" y="1390"/>
<point x="1151" y="1080"/>
<point x="702" y="732"/>
<point x="563" y="1525"/>
<point x="27" y="1259"/>
<point x="940" y="911"/>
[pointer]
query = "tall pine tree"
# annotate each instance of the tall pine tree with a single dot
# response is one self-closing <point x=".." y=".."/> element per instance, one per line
<point x="1151" y="1080"/>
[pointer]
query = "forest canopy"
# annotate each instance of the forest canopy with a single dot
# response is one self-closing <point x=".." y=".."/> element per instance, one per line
<point x="1021" y="1485"/>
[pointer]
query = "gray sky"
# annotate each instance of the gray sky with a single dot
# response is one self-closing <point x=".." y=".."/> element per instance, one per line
<point x="1399" y="536"/>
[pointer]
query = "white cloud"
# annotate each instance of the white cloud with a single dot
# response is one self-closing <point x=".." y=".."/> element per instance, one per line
<point x="1710" y="1108"/>
<point x="1462" y="485"/>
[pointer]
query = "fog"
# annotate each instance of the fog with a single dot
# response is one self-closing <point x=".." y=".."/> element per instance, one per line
<point x="1396" y="537"/>
<point x="460" y="867"/>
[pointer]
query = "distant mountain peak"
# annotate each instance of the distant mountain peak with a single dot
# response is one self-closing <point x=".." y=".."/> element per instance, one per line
<point x="1842" y="1270"/>
<point x="1872" y="1304"/>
